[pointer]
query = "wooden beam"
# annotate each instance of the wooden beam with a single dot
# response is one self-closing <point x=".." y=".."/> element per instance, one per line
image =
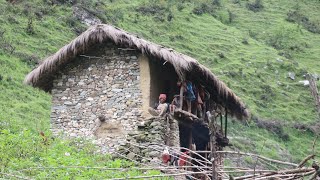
<point x="181" y="114"/>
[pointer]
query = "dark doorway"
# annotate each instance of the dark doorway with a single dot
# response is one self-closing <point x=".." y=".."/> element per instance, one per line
<point x="163" y="81"/>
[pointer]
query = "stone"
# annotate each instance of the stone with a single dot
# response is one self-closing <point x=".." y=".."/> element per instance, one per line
<point x="68" y="103"/>
<point x="131" y="155"/>
<point x="291" y="75"/>
<point x="153" y="154"/>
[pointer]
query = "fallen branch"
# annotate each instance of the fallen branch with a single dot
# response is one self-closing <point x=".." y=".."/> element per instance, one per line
<point x="293" y="172"/>
<point x="259" y="156"/>
<point x="161" y="175"/>
<point x="303" y="162"/>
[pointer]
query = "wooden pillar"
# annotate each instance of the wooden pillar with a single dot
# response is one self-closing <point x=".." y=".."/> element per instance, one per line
<point x="181" y="96"/>
<point x="212" y="130"/>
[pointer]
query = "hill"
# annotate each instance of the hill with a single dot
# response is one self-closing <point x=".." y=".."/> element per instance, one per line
<point x="254" y="46"/>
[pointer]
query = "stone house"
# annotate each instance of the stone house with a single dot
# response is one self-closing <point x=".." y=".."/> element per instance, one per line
<point x="103" y="82"/>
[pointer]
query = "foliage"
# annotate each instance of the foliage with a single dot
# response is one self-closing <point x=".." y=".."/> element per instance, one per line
<point x="298" y="17"/>
<point x="255" y="6"/>
<point x="28" y="154"/>
<point x="285" y="38"/>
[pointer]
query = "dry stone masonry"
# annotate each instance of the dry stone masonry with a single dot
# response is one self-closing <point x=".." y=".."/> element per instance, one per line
<point x="102" y="85"/>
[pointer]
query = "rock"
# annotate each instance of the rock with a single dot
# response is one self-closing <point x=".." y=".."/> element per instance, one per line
<point x="305" y="82"/>
<point x="291" y="75"/>
<point x="155" y="123"/>
<point x="279" y="60"/>
<point x="68" y="103"/>
<point x="136" y="150"/>
<point x="131" y="155"/>
<point x="153" y="154"/>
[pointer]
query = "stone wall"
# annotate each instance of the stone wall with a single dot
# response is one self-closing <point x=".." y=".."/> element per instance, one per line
<point x="102" y="84"/>
<point x="143" y="145"/>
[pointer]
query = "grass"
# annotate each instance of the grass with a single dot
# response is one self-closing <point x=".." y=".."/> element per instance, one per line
<point x="252" y="54"/>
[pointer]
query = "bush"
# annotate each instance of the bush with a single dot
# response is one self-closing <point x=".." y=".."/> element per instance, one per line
<point x="216" y="3"/>
<point x="5" y="44"/>
<point x="32" y="60"/>
<point x="245" y="41"/>
<point x="274" y="127"/>
<point x="232" y="16"/>
<point x="297" y="17"/>
<point x="152" y="9"/>
<point x="180" y="6"/>
<point x="202" y="9"/>
<point x="30" y="27"/>
<point x="286" y="39"/>
<point x="255" y="6"/>
<point x="12" y="20"/>
<point x="170" y="16"/>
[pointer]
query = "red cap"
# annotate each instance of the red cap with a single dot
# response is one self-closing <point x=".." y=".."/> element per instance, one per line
<point x="163" y="96"/>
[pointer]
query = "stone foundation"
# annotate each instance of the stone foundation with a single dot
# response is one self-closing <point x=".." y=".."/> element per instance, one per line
<point x="142" y="145"/>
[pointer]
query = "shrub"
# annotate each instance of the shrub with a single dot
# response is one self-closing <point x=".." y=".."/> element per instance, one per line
<point x="245" y="40"/>
<point x="255" y="6"/>
<point x="12" y="20"/>
<point x="152" y="9"/>
<point x="202" y="9"/>
<point x="252" y="34"/>
<point x="71" y="21"/>
<point x="31" y="60"/>
<point x="285" y="39"/>
<point x="157" y="10"/>
<point x="216" y="2"/>
<point x="274" y="127"/>
<point x="170" y="16"/>
<point x="298" y="17"/>
<point x="221" y="55"/>
<point x="180" y="6"/>
<point x="5" y="44"/>
<point x="30" y="27"/>
<point x="232" y="16"/>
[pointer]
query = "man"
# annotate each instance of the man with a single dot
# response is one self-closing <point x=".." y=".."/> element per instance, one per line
<point x="161" y="108"/>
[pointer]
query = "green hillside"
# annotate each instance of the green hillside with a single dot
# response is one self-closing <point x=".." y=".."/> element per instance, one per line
<point x="252" y="45"/>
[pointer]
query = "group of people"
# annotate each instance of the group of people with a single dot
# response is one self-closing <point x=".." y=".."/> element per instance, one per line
<point x="194" y="100"/>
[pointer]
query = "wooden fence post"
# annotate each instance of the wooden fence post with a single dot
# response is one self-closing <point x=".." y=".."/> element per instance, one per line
<point x="314" y="92"/>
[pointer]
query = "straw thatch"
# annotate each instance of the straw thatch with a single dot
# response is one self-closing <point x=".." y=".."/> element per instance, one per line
<point x="184" y="65"/>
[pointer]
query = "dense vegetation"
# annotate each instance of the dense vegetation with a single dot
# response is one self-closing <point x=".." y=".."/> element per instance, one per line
<point x="252" y="45"/>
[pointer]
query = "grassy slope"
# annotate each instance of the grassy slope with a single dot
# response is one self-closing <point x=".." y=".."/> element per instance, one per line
<point x="251" y="70"/>
<point x="25" y="111"/>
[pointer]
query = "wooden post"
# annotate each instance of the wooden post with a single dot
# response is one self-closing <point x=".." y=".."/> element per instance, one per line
<point x="190" y="144"/>
<point x="212" y="130"/>
<point x="314" y="92"/>
<point x="181" y="96"/>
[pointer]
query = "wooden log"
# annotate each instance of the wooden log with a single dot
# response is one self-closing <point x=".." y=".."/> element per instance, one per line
<point x="305" y="160"/>
<point x="181" y="114"/>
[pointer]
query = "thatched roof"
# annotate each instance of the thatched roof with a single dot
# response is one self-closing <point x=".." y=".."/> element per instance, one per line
<point x="184" y="65"/>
